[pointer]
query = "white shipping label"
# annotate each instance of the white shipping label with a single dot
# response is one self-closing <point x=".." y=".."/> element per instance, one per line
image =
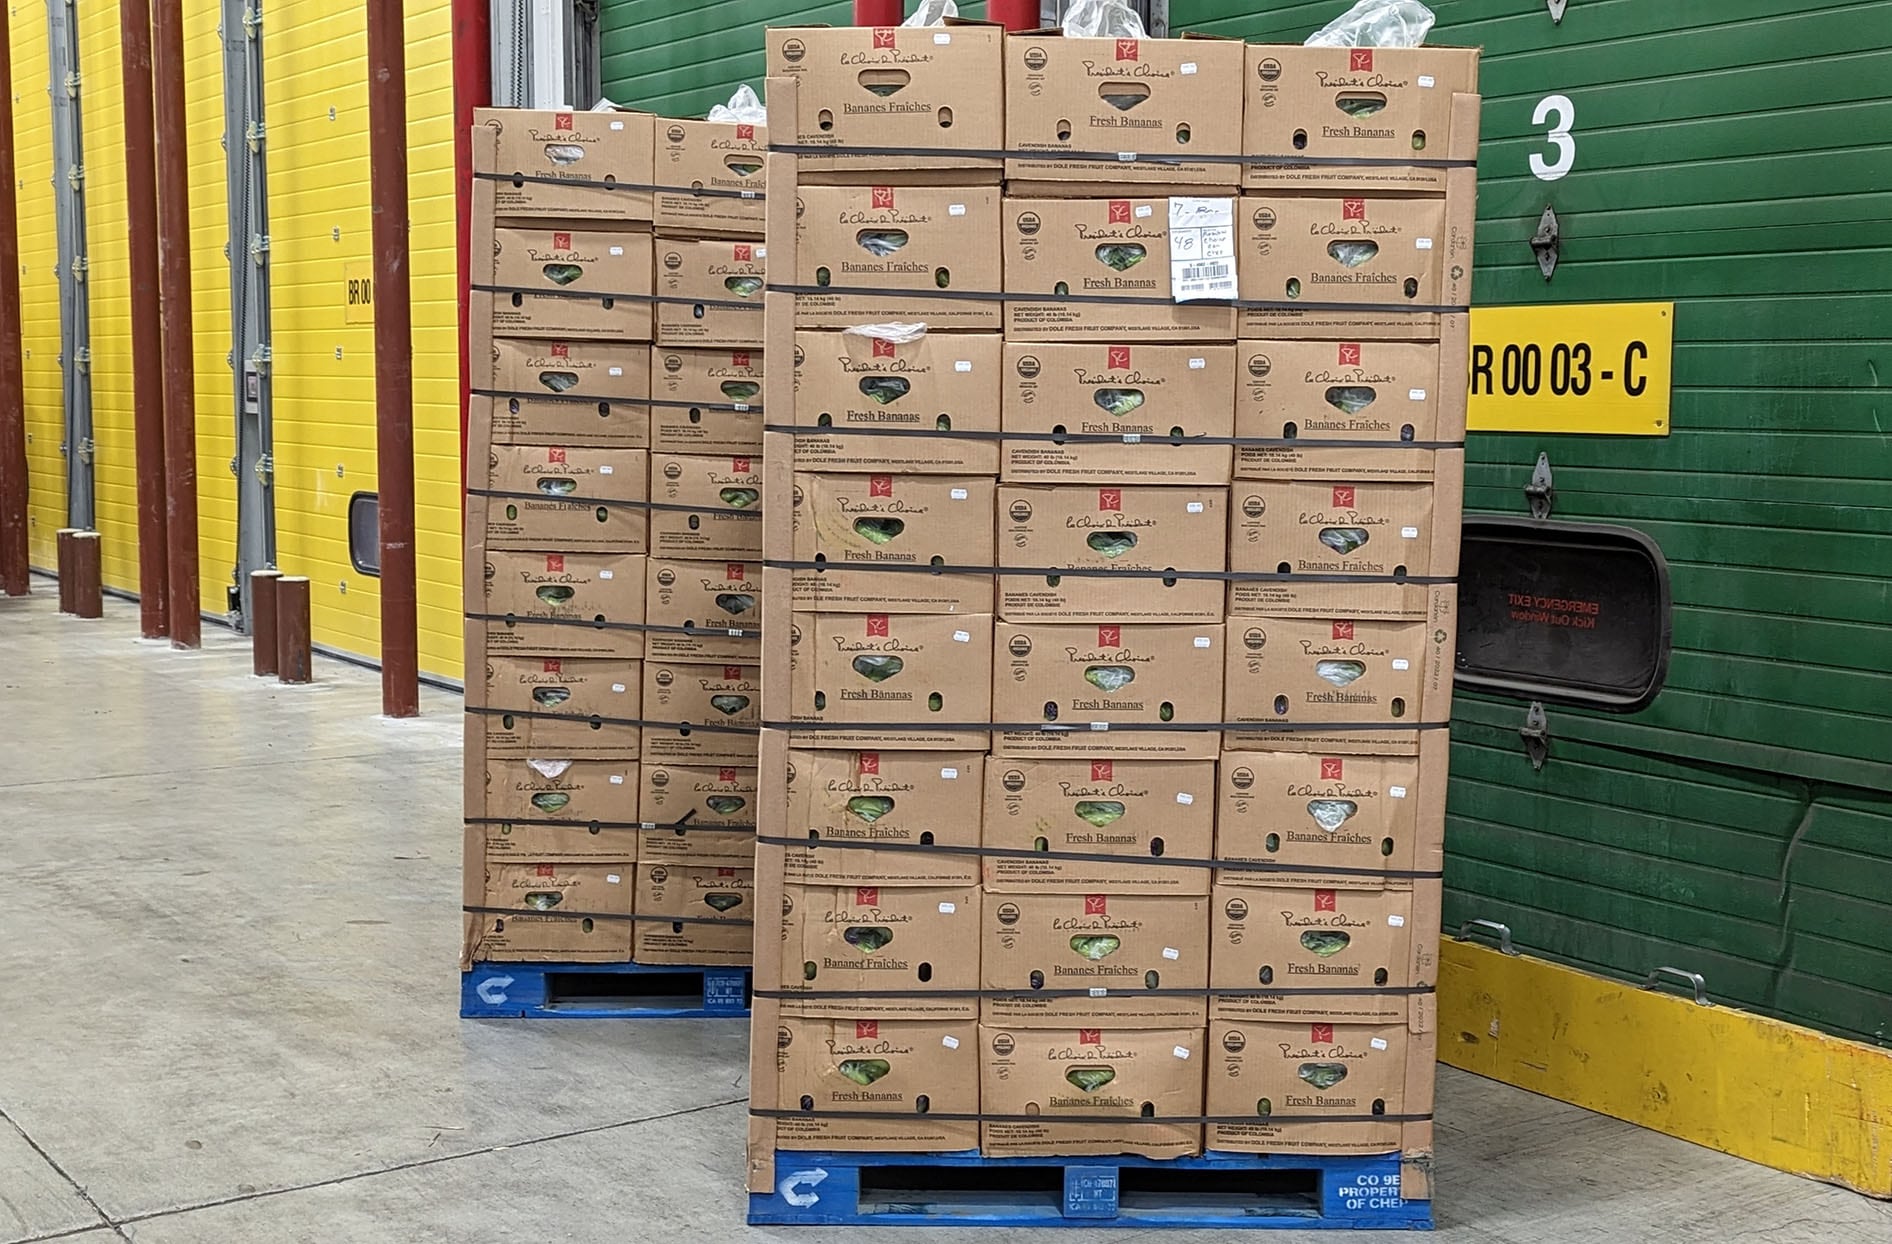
<point x="1202" y="641"/>
<point x="1427" y="80"/>
<point x="1180" y="1051"/>
<point x="949" y="775"/>
<point x="962" y="637"/>
<point x="1397" y="792"/>
<point x="1170" y="952"/>
<point x="761" y="252"/>
<point x="1100" y="993"/>
<point x="1198" y="364"/>
<point x="613" y="878"/>
<point x="1194" y="507"/>
<point x="1415" y="395"/>
<point x="616" y="371"/>
<point x="960" y="494"/>
<point x="1184" y="798"/>
<point x="1186" y="68"/>
<point x="1378" y="1043"/>
<point x="618" y="687"/>
<point x="607" y="574"/>
<point x="617" y="125"/>
<point x="1398" y="922"/>
<point x="1423" y="244"/>
<point x="617" y="250"/>
<point x="962" y="365"/>
<point x="955" y="209"/>
<point x="1201" y="248"/>
<point x="947" y="909"/>
<point x="1143" y="211"/>
<point x="951" y="1043"/>
<point x="605" y="470"/>
<point x="1401" y="663"/>
<point x="617" y="779"/>
<point x="1409" y="533"/>
<point x="942" y="39"/>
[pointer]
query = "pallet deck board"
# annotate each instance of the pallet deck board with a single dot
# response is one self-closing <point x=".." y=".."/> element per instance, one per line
<point x="603" y="991"/>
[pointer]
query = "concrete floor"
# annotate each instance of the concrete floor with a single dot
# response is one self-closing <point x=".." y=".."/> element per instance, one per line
<point x="228" y="932"/>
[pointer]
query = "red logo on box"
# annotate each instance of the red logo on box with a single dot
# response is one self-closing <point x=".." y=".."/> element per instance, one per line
<point x="1353" y="209"/>
<point x="1096" y="905"/>
<point x="883" y="349"/>
<point x="1103" y="770"/>
<point x="1117" y="358"/>
<point x="1110" y="499"/>
<point x="555" y="455"/>
<point x="739" y="358"/>
<point x="547" y="870"/>
<point x="877" y="626"/>
<point x="1343" y="630"/>
<point x="554" y="666"/>
<point x="563" y="121"/>
<point x="1321" y="1034"/>
<point x="733" y="572"/>
<point x="561" y="351"/>
<point x="880" y="485"/>
<point x="1360" y="60"/>
<point x="866" y="1029"/>
<point x="867" y="896"/>
<point x="882" y="197"/>
<point x="1126" y="49"/>
<point x="1331" y="769"/>
<point x="725" y="872"/>
<point x="1349" y="354"/>
<point x="1090" y="1036"/>
<point x="555" y="563"/>
<point x="725" y="775"/>
<point x="561" y="241"/>
<point x="745" y="132"/>
<point x="1109" y="636"/>
<point x="1120" y="211"/>
<point x="739" y="465"/>
<point x="883" y="36"/>
<point x="1324" y="901"/>
<point x="1343" y="496"/>
<point x="744" y="252"/>
<point x="870" y="763"/>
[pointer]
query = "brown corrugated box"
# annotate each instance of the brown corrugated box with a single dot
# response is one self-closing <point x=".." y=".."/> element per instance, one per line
<point x="1127" y="944"/>
<point x="694" y="696"/>
<point x="938" y="90"/>
<point x="566" y="393"/>
<point x="548" y="809"/>
<point x="1307" y="246"/>
<point x="1379" y="104"/>
<point x="920" y="941"/>
<point x="709" y="598"/>
<point x="1396" y="393"/>
<point x="565" y="498"/>
<point x="706" y="401"/>
<point x="564" y="281"/>
<point x="1032" y="1075"/>
<point x="597" y="164"/>
<point x="1072" y="676"/>
<point x="943" y="270"/>
<point x="857" y="524"/>
<point x="711" y="177"/>
<point x="710" y="507"/>
<point x="1307" y="813"/>
<point x="1153" y="392"/>
<point x="531" y="928"/>
<point x="710" y="293"/>
<point x="515" y="588"/>
<point x="691" y="805"/>
<point x="1355" y="1078"/>
<point x="709" y="908"/>
<point x="839" y="671"/>
<point x="517" y="688"/>
<point x="1367" y="941"/>
<point x="908" y="1070"/>
<point x="1312" y="677"/>
<point x="1115" y="100"/>
<point x="876" y="814"/>
<point x="1055" y="247"/>
<point x="939" y="382"/>
<point x="1125" y="810"/>
<point x="1097" y="529"/>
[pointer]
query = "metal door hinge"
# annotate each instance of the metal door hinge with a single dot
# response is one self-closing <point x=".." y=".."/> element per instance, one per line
<point x="259" y="248"/>
<point x="72" y="85"/>
<point x="256" y="133"/>
<point x="79" y="267"/>
<point x="265" y="469"/>
<point x="1541" y="492"/>
<point x="261" y="357"/>
<point x="1536" y="735"/>
<point x="75" y="177"/>
<point x="82" y="358"/>
<point x="1547" y="243"/>
<point x="252" y="21"/>
<point x="1556" y="8"/>
<point x="85" y="450"/>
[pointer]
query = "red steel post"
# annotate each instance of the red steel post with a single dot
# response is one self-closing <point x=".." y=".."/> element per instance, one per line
<point x="147" y="337"/>
<point x="180" y="364"/>
<point x="1014" y="14"/>
<point x="879" y="12"/>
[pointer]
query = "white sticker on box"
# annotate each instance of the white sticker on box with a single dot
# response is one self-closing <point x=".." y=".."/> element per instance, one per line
<point x="1423" y="244"/>
<point x="951" y="1043"/>
<point x="1100" y="993"/>
<point x="614" y="371"/>
<point x="740" y="406"/>
<point x="1201" y="248"/>
<point x="1398" y="922"/>
<point x="1198" y="364"/>
<point x="1202" y="641"/>
<point x="617" y="779"/>
<point x="607" y="574"/>
<point x="1170" y="952"/>
<point x="617" y="250"/>
<point x="1180" y="1051"/>
<point x="1184" y="798"/>
<point x="949" y="775"/>
<point x="1401" y="663"/>
<point x="955" y="209"/>
<point x="1378" y="1043"/>
<point x="1143" y="210"/>
<point x="613" y="878"/>
<point x="1194" y="507"/>
<point x="1409" y="533"/>
<point x="618" y="687"/>
<point x="960" y="494"/>
<point x="761" y="252"/>
<point x="1133" y="438"/>
<point x="1397" y="792"/>
<point x="606" y="470"/>
<point x="1099" y="727"/>
<point x="941" y="39"/>
<point x="1427" y="80"/>
<point x="962" y="637"/>
<point x="962" y="365"/>
<point x="947" y="909"/>
<point x="1415" y="395"/>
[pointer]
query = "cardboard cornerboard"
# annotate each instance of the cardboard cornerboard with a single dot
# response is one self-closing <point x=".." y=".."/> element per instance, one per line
<point x="1094" y="530"/>
<point x="709" y="292"/>
<point x="925" y="98"/>
<point x="1134" y="814"/>
<point x="711" y="177"/>
<point x="1343" y="526"/>
<point x="1353" y="686"/>
<point x="587" y="393"/>
<point x="1074" y="256"/>
<point x="585" y="165"/>
<point x="1394" y="262"/>
<point x="711" y="910"/>
<point x="1296" y="814"/>
<point x="1156" y="394"/>
<point x="925" y="254"/>
<point x="1380" y="104"/>
<point x="907" y="1070"/>
<point x="1034" y="1075"/>
<point x="532" y="924"/>
<point x="709" y="600"/>
<point x="880" y="681"/>
<point x="703" y="814"/>
<point x="707" y="509"/>
<point x="1112" y="676"/>
<point x="1347" y="1075"/>
<point x="1051" y="947"/>
<point x="1108" y="102"/>
<point x="693" y="696"/>
<point x="580" y="688"/>
<point x="529" y="598"/>
<point x="887" y="818"/>
<point x="1397" y="394"/>
<point x="706" y="402"/>
<point x="1360" y="940"/>
<point x="565" y="281"/>
<point x="857" y="524"/>
<point x="566" y="498"/>
<point x="920" y="943"/>
<point x="554" y="809"/>
<point x="939" y="382"/>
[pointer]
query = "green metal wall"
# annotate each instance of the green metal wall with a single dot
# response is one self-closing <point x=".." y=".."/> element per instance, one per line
<point x="1730" y="156"/>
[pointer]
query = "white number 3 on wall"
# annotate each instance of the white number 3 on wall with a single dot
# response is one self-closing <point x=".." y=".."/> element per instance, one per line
<point x="1565" y="112"/>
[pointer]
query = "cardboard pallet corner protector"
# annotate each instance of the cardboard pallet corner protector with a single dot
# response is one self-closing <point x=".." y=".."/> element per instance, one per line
<point x="883" y="818"/>
<point x="706" y="508"/>
<point x="697" y="814"/>
<point x="706" y="403"/>
<point x="1098" y="824"/>
<point x="1330" y="105"/>
<point x="902" y="254"/>
<point x="863" y="542"/>
<point x="920" y="944"/>
<point x="537" y="705"/>
<point x="530" y="603"/>
<point x="1368" y="942"/>
<point x="703" y="611"/>
<point x="1090" y="114"/>
<point x="559" y="497"/>
<point x="681" y="699"/>
<point x="1085" y="1069"/>
<point x="902" y="99"/>
<point x="711" y="177"/>
<point x="880" y="1082"/>
<point x="709" y="292"/>
<point x="703" y="914"/>
<point x="1350" y="1082"/>
<point x="584" y="393"/>
<point x="880" y="681"/>
<point x="1133" y="960"/>
<point x="563" y="281"/>
<point x="530" y="924"/>
<point x="925" y="388"/>
<point x="1079" y="533"/>
<point x="564" y="164"/>
<point x="1109" y="678"/>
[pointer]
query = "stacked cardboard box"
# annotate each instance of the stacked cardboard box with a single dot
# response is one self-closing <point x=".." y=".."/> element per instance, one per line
<point x="612" y="597"/>
<point x="1156" y="657"/>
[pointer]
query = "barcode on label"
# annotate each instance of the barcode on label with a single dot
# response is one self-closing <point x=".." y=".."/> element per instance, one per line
<point x="1204" y="272"/>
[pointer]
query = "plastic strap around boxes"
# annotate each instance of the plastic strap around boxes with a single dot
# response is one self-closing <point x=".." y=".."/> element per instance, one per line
<point x="575" y="500"/>
<point x="1111" y="438"/>
<point x="1113" y="1120"/>
<point x="513" y="912"/>
<point x="1106" y="572"/>
<point x="521" y="180"/>
<point x="597" y="720"/>
<point x="602" y="624"/>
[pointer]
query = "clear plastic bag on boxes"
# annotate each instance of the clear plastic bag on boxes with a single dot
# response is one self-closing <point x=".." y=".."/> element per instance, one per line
<point x="1103" y="19"/>
<point x="743" y="108"/>
<point x="932" y="13"/>
<point x="1376" y="24"/>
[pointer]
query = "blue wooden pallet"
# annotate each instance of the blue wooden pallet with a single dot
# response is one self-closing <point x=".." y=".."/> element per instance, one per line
<point x="962" y="1189"/>
<point x="603" y="991"/>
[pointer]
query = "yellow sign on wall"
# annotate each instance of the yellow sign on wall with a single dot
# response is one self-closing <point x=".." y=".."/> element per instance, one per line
<point x="1601" y="370"/>
<point x="358" y="276"/>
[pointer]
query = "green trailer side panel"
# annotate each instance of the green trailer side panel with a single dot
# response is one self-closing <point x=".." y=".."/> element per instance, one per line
<point x="1732" y="157"/>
